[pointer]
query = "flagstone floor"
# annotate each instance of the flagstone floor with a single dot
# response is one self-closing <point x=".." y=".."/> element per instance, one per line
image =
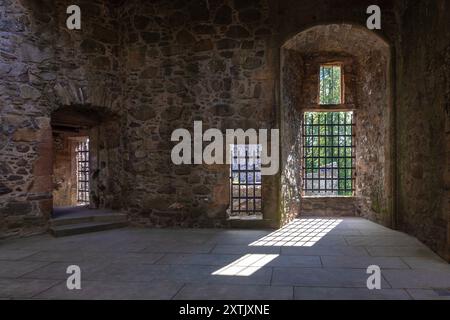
<point x="311" y="258"/>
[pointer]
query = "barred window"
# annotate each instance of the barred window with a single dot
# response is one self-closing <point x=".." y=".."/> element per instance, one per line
<point x="245" y="181"/>
<point x="82" y="160"/>
<point x="328" y="154"/>
<point x="330" y="84"/>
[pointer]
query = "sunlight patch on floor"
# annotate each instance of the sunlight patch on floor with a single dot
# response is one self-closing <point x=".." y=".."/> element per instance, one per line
<point x="299" y="233"/>
<point x="246" y="265"/>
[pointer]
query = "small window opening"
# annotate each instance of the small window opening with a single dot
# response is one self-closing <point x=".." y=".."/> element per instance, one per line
<point x="330" y="84"/>
<point x="245" y="182"/>
<point x="328" y="154"/>
<point x="82" y="160"/>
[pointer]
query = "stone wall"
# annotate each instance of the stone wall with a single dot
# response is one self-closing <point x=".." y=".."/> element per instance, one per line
<point x="292" y="78"/>
<point x="204" y="60"/>
<point x="160" y="65"/>
<point x="43" y="66"/>
<point x="88" y="79"/>
<point x="25" y="60"/>
<point x="423" y="95"/>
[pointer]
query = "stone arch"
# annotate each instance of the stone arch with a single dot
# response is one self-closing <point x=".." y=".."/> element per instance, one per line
<point x="355" y="26"/>
<point x="367" y="56"/>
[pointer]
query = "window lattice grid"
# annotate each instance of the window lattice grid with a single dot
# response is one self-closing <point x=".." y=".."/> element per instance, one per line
<point x="328" y="154"/>
<point x="330" y="85"/>
<point x="245" y="180"/>
<point x="82" y="160"/>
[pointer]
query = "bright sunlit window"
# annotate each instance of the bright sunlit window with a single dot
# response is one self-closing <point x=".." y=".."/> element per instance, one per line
<point x="82" y="160"/>
<point x="246" y="181"/>
<point x="329" y="154"/>
<point x="330" y="87"/>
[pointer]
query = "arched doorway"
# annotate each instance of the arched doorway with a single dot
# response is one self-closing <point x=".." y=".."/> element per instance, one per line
<point x="337" y="124"/>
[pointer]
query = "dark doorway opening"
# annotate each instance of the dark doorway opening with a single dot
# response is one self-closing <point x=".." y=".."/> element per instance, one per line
<point x="72" y="159"/>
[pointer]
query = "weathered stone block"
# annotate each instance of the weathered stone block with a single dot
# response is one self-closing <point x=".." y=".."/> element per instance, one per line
<point x="198" y="10"/>
<point x="5" y="168"/>
<point x="41" y="184"/>
<point x="136" y="57"/>
<point x="203" y="45"/>
<point x="182" y="170"/>
<point x="102" y="63"/>
<point x="143" y="113"/>
<point x="17" y="208"/>
<point x="201" y="190"/>
<point x="151" y="37"/>
<point x="223" y="15"/>
<point x="204" y="29"/>
<point x="26" y="135"/>
<point x="90" y="46"/>
<point x="237" y="32"/>
<point x="252" y="63"/>
<point x="149" y="72"/>
<point x="172" y="113"/>
<point x="141" y="22"/>
<point x="249" y="15"/>
<point x="227" y="44"/>
<point x="157" y="203"/>
<point x="167" y="189"/>
<point x="33" y="53"/>
<point x="105" y="35"/>
<point x="28" y="92"/>
<point x="4" y="189"/>
<point x="184" y="37"/>
<point x="22" y="148"/>
<point x="243" y="4"/>
<point x="223" y="110"/>
<point x="216" y="66"/>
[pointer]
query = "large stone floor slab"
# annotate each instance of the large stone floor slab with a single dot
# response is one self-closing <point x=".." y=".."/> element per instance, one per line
<point x="24" y="288"/>
<point x="99" y="290"/>
<point x="303" y="260"/>
<point x="322" y="277"/>
<point x="313" y="293"/>
<point x="232" y="292"/>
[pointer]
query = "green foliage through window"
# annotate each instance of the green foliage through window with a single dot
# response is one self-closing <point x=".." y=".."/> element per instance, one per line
<point x="330" y="84"/>
<point x="328" y="154"/>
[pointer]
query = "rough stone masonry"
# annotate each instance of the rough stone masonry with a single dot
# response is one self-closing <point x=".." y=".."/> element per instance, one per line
<point x="149" y="67"/>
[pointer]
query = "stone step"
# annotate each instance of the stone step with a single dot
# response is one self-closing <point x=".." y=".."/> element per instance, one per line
<point x="70" y="220"/>
<point x="86" y="227"/>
